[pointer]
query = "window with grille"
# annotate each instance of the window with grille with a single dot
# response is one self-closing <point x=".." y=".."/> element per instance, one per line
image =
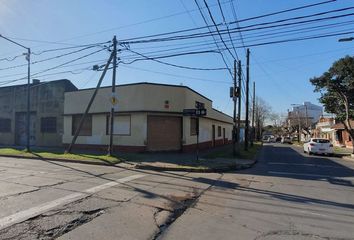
<point x="5" y="125"/>
<point x="49" y="125"/>
<point x="86" y="129"/>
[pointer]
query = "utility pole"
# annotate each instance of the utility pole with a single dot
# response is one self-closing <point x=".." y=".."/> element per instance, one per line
<point x="77" y="131"/>
<point x="253" y="112"/>
<point x="28" y="58"/>
<point x="234" y="96"/>
<point x="113" y="98"/>
<point x="239" y="69"/>
<point x="299" y="134"/>
<point x="28" y="117"/>
<point x="247" y="99"/>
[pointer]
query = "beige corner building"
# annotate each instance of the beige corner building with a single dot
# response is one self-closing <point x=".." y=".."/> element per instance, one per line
<point x="149" y="117"/>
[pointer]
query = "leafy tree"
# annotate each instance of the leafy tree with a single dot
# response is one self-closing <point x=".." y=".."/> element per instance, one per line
<point x="337" y="92"/>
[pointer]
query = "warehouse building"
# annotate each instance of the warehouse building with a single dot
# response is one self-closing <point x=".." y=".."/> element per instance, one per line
<point x="148" y="117"/>
<point x="46" y="113"/>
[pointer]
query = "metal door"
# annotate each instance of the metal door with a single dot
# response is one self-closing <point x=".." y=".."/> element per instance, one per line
<point x="20" y="129"/>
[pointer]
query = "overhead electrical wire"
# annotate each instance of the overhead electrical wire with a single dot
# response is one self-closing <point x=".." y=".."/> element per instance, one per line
<point x="48" y="59"/>
<point x="242" y="20"/>
<point x="218" y="31"/>
<point x="221" y="54"/>
<point x="175" y="75"/>
<point x="175" y="65"/>
<point x="52" y="68"/>
<point x="254" y="27"/>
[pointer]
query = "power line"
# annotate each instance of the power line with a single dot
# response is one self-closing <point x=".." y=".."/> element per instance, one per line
<point x="217" y="29"/>
<point x="254" y="27"/>
<point x="227" y="27"/>
<point x="251" y="36"/>
<point x="243" y="20"/>
<point x="52" y="68"/>
<point x="175" y="75"/>
<point x="205" y="21"/>
<point x="48" y="59"/>
<point x="175" y="65"/>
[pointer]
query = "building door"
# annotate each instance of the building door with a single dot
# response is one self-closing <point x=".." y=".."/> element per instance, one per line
<point x="20" y="129"/>
<point x="223" y="136"/>
<point x="213" y="136"/>
<point x="164" y="133"/>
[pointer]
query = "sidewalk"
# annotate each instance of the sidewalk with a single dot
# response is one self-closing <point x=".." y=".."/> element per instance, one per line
<point x="219" y="159"/>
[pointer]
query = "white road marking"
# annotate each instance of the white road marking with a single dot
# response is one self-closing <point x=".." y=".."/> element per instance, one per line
<point x="301" y="174"/>
<point x="304" y="164"/>
<point x="312" y="213"/>
<point x="42" y="208"/>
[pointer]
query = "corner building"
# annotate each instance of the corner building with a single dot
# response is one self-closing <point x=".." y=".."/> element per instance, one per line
<point x="148" y="117"/>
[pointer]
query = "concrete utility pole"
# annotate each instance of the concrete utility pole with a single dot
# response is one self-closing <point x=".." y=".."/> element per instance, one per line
<point x="234" y="98"/>
<point x="299" y="134"/>
<point x="253" y="112"/>
<point x="77" y="131"/>
<point x="239" y="69"/>
<point x="113" y="98"/>
<point x="247" y="99"/>
<point x="28" y="58"/>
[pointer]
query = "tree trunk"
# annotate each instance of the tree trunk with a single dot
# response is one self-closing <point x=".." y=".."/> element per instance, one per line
<point x="350" y="131"/>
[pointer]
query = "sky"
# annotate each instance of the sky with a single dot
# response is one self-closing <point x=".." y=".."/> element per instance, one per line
<point x="281" y="71"/>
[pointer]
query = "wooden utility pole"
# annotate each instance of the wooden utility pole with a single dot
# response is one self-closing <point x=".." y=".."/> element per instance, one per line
<point x="113" y="97"/>
<point x="234" y="98"/>
<point x="247" y="99"/>
<point x="253" y="112"/>
<point x="239" y="69"/>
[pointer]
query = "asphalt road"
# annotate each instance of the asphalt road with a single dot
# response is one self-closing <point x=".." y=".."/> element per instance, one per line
<point x="287" y="195"/>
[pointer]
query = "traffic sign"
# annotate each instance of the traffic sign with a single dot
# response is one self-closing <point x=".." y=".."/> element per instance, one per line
<point x="189" y="112"/>
<point x="113" y="100"/>
<point x="199" y="105"/>
<point x="201" y="112"/>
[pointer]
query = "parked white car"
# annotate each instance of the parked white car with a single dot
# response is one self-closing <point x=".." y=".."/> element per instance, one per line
<point x="318" y="146"/>
<point x="286" y="140"/>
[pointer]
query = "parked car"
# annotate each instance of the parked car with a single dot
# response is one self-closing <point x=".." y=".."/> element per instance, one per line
<point x="318" y="146"/>
<point x="286" y="140"/>
<point x="278" y="139"/>
<point x="268" y="139"/>
<point x="265" y="139"/>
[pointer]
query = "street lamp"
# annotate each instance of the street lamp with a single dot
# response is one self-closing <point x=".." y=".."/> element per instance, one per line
<point x="28" y="58"/>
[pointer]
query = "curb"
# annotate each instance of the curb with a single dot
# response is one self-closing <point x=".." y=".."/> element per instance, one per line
<point x="348" y="158"/>
<point x="62" y="160"/>
<point x="206" y="170"/>
<point x="143" y="166"/>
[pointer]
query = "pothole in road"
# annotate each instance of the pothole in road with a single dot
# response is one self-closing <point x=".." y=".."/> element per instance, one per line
<point x="55" y="223"/>
<point x="179" y="204"/>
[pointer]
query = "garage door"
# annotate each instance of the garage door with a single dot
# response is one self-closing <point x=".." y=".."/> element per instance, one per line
<point x="164" y="133"/>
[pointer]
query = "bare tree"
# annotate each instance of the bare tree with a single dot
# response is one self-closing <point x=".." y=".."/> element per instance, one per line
<point x="263" y="112"/>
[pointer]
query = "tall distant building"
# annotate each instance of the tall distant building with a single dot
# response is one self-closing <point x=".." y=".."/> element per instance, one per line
<point x="308" y="110"/>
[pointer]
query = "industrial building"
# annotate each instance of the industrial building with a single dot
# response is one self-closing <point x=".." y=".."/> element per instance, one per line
<point x="46" y="113"/>
<point x="148" y="117"/>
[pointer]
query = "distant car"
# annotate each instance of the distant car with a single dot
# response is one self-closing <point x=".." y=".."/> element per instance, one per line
<point x="286" y="140"/>
<point x="278" y="139"/>
<point x="318" y="146"/>
<point x="265" y="139"/>
<point x="272" y="139"/>
<point x="268" y="139"/>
